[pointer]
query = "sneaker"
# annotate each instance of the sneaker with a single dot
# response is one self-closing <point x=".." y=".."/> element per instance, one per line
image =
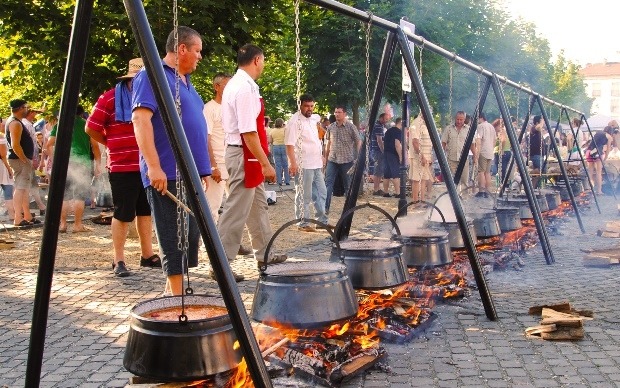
<point x="480" y="194"/>
<point x="387" y="195"/>
<point x="238" y="277"/>
<point x="120" y="269"/>
<point x="379" y="193"/>
<point x="42" y="212"/>
<point x="244" y="251"/>
<point x="306" y="229"/>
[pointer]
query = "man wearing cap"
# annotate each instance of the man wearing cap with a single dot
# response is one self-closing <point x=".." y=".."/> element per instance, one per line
<point x="157" y="162"/>
<point x="110" y="124"/>
<point x="21" y="149"/>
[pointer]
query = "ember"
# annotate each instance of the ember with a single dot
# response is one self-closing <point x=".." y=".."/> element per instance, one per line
<point x="335" y="354"/>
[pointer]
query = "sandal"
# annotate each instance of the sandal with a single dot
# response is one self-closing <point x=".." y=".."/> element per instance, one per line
<point x="24" y="223"/>
<point x="83" y="229"/>
<point x="275" y="259"/>
<point x="153" y="261"/>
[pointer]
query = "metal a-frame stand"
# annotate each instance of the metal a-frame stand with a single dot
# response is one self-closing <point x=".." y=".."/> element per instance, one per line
<point x="351" y="199"/>
<point x="526" y="178"/>
<point x="187" y="168"/>
<point x="581" y="157"/>
<point x="583" y="118"/>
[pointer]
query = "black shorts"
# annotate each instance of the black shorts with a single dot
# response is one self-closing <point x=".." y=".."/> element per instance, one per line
<point x="128" y="196"/>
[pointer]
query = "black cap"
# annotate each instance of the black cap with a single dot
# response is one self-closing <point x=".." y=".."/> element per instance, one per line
<point x="17" y="103"/>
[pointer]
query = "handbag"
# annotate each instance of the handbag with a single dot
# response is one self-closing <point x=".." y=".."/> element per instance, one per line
<point x="594" y="153"/>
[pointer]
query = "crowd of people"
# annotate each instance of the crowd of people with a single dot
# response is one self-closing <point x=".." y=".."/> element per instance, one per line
<point x="231" y="144"/>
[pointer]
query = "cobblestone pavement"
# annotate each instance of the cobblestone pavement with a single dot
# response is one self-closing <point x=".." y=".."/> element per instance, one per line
<point x="88" y="324"/>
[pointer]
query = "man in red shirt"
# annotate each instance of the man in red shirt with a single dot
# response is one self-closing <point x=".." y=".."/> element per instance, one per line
<point x="110" y="124"/>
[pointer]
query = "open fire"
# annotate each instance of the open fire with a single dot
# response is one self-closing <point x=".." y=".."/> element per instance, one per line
<point x="331" y="356"/>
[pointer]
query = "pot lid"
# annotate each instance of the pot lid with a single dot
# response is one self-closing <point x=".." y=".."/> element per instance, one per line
<point x="369" y="244"/>
<point x="305" y="268"/>
<point x="429" y="233"/>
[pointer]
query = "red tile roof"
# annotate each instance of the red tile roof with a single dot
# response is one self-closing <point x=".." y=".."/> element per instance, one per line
<point x="608" y="69"/>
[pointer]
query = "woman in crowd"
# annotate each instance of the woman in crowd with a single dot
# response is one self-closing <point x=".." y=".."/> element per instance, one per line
<point x="392" y="156"/>
<point x="596" y="154"/>
<point x="279" y="152"/>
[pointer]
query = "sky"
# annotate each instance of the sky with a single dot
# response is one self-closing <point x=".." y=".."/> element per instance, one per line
<point x="587" y="31"/>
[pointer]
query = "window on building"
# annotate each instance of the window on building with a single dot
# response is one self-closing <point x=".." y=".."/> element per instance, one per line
<point x="614" y="108"/>
<point x="615" y="89"/>
<point x="596" y="89"/>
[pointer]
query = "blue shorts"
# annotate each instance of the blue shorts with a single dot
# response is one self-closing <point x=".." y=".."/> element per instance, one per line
<point x="7" y="191"/>
<point x="164" y="212"/>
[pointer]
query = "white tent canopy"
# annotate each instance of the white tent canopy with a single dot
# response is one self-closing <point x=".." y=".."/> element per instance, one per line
<point x="597" y="122"/>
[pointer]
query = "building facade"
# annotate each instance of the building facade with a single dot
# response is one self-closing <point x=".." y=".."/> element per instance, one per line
<point x="602" y="81"/>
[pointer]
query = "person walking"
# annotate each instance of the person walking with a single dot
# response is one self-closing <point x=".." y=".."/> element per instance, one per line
<point x="248" y="167"/>
<point x="110" y="124"/>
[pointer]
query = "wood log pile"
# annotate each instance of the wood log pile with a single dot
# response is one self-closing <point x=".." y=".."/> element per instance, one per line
<point x="559" y="322"/>
<point x="611" y="230"/>
<point x="604" y="257"/>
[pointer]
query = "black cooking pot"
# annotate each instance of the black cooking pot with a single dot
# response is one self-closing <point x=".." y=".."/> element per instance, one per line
<point x="372" y="263"/>
<point x="303" y="294"/>
<point x="174" y="351"/>
<point x="508" y="218"/>
<point x="426" y="247"/>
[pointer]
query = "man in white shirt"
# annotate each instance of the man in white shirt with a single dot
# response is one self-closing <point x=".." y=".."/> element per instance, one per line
<point x="483" y="154"/>
<point x="307" y="161"/>
<point x="247" y="164"/>
<point x="217" y="149"/>
<point x="217" y="145"/>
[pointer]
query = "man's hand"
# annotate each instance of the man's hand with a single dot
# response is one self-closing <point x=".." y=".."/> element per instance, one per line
<point x="216" y="175"/>
<point x="293" y="169"/>
<point x="205" y="182"/>
<point x="158" y="179"/>
<point x="269" y="173"/>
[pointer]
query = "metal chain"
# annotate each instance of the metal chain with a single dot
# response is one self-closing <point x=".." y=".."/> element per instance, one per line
<point x="450" y="106"/>
<point x="500" y="150"/>
<point x="300" y="170"/>
<point x="370" y="126"/>
<point x="421" y="50"/>
<point x="182" y="218"/>
<point x="518" y="103"/>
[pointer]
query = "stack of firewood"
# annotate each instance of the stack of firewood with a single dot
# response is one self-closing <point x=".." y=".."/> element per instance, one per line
<point x="601" y="257"/>
<point x="611" y="230"/>
<point x="559" y="322"/>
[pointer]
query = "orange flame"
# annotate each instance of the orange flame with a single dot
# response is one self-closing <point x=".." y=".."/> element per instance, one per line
<point x="242" y="378"/>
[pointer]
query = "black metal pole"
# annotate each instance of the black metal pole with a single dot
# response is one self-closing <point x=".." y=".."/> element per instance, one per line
<point x="390" y="26"/>
<point x="554" y="145"/>
<point x="527" y="183"/>
<point x="197" y="199"/>
<point x="582" y="159"/>
<point x="602" y="163"/>
<point x="358" y="173"/>
<point x="47" y="258"/>
<point x="418" y="87"/>
<point x="520" y="139"/>
<point x="402" y="201"/>
<point x="472" y="132"/>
